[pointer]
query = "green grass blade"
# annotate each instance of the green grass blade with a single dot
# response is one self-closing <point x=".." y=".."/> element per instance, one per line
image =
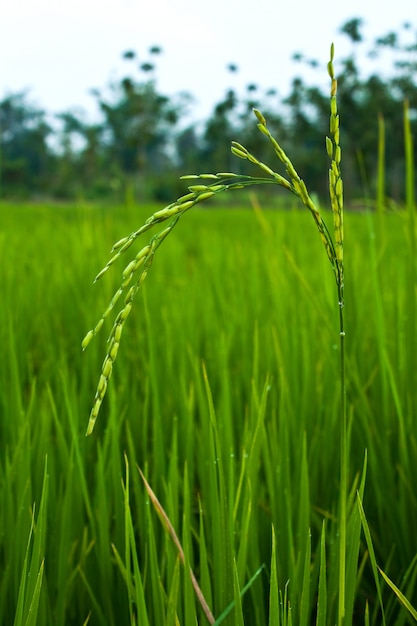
<point x="322" y="591"/>
<point x="353" y="546"/>
<point x="367" y="614"/>
<point x="305" y="590"/>
<point x="371" y="556"/>
<point x="242" y="592"/>
<point x="128" y="547"/>
<point x="171" y="615"/>
<point x="133" y="580"/>
<point x="404" y="601"/>
<point x="18" y="620"/>
<point x="191" y="588"/>
<point x="237" y="599"/>
<point x="96" y="604"/>
<point x="220" y="513"/>
<point x="205" y="578"/>
<point x="274" y="614"/>
<point x="123" y="570"/>
<point x="32" y="574"/>
<point x="32" y="617"/>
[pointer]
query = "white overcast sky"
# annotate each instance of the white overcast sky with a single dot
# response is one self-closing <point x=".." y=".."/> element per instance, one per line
<point x="59" y="50"/>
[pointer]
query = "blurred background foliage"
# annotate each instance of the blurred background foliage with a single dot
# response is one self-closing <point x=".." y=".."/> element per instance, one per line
<point x="143" y="140"/>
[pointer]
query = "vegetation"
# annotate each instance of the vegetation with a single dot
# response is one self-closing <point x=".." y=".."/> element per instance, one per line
<point x="258" y="452"/>
<point x="262" y="446"/>
<point x="142" y="141"/>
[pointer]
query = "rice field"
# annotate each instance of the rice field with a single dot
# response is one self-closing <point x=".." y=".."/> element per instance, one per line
<point x="226" y="395"/>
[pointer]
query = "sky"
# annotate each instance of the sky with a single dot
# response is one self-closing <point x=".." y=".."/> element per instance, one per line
<point x="59" y="51"/>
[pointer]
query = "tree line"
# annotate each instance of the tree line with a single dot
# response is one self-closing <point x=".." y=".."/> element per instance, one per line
<point x="141" y="142"/>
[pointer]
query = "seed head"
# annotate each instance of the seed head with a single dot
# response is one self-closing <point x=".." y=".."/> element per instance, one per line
<point x="260" y="117"/>
<point x="329" y="147"/>
<point x="113" y="350"/>
<point x="87" y="339"/>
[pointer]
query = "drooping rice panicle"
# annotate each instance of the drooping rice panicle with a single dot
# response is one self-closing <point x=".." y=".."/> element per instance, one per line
<point x="137" y="269"/>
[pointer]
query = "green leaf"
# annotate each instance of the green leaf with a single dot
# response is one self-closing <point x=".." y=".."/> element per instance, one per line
<point x="404" y="601"/>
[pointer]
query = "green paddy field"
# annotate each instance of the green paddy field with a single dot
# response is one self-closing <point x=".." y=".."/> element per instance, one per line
<point x="225" y="393"/>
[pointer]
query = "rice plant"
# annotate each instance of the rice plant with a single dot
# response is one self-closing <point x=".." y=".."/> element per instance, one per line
<point x="227" y="397"/>
<point x="210" y="185"/>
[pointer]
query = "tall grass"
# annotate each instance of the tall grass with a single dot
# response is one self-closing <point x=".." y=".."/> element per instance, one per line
<point x="227" y="396"/>
<point x="252" y="476"/>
